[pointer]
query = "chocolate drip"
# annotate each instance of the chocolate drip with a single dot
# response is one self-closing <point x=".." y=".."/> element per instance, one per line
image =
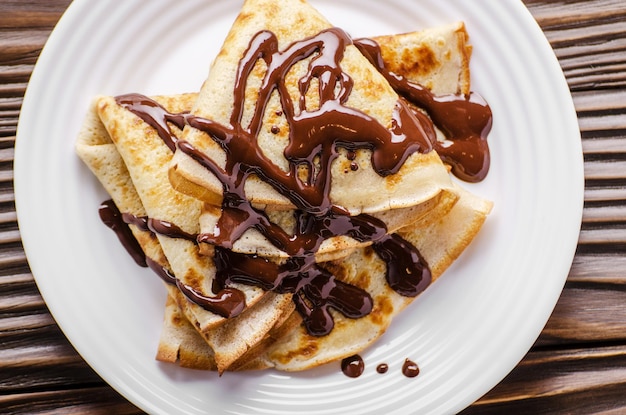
<point x="410" y="369"/>
<point x="465" y="120"/>
<point x="164" y="273"/>
<point x="407" y="272"/>
<point x="228" y="302"/>
<point x="158" y="226"/>
<point x="353" y="366"/>
<point x="111" y="216"/>
<point x="154" y="115"/>
<point x="316" y="290"/>
<point x="315" y="135"/>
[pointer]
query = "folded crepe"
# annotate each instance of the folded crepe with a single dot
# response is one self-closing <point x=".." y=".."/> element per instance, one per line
<point x="228" y="339"/>
<point x="441" y="240"/>
<point x="146" y="155"/>
<point x="111" y="130"/>
<point x="275" y="98"/>
<point x="437" y="58"/>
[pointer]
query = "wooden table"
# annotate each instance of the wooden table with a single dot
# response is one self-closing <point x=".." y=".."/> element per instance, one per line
<point x="578" y="364"/>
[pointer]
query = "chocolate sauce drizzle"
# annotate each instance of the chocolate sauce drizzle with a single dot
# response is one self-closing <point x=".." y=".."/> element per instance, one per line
<point x="228" y="302"/>
<point x="315" y="135"/>
<point x="111" y="216"/>
<point x="410" y="368"/>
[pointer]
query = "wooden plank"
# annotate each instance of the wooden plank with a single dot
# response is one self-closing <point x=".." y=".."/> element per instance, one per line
<point x="606" y="193"/>
<point x="603" y="100"/>
<point x="587" y="313"/>
<point x="579" y="381"/>
<point x="35" y="355"/>
<point x="12" y="90"/>
<point x="605" y="146"/>
<point x="15" y="73"/>
<point x="12" y="258"/>
<point x="31" y="13"/>
<point x="584" y="33"/>
<point x="579" y="55"/>
<point x="20" y="303"/>
<point x="555" y="14"/>
<point x="94" y="400"/>
<point x="599" y="214"/>
<point x="602" y="122"/>
<point x="599" y="268"/>
<point x="605" y="170"/>
<point x="22" y="47"/>
<point x="608" y="235"/>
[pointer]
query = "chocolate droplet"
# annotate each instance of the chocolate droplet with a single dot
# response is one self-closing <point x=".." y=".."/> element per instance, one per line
<point x="352" y="366"/>
<point x="410" y="369"/>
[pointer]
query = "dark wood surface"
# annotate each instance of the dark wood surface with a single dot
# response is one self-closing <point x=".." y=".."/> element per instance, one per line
<point x="577" y="365"/>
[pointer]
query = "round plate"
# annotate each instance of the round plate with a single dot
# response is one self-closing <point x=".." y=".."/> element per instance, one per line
<point x="466" y="332"/>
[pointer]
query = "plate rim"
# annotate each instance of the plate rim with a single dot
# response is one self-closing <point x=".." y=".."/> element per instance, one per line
<point x="37" y="77"/>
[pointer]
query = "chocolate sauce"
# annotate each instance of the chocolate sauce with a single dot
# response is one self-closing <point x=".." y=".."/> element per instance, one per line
<point x="228" y="302"/>
<point x="410" y="369"/>
<point x="407" y="272"/>
<point x="315" y="136"/>
<point x="316" y="290"/>
<point x="352" y="366"/>
<point x="157" y="226"/>
<point x="164" y="273"/>
<point x="111" y="216"/>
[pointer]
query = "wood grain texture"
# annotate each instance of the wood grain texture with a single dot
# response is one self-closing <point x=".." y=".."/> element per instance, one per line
<point x="578" y="364"/>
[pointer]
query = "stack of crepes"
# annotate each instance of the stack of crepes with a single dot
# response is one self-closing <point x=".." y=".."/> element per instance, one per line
<point x="296" y="203"/>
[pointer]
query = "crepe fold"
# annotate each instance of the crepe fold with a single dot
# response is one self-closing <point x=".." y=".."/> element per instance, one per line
<point x="435" y="57"/>
<point x="440" y="238"/>
<point x="421" y="177"/>
<point x="109" y="131"/>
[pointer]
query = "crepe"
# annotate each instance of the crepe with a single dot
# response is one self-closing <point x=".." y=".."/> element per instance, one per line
<point x="180" y="343"/>
<point x="228" y="339"/>
<point x="437" y="57"/>
<point x="440" y="240"/>
<point x="146" y="156"/>
<point x="421" y="177"/>
<point x="145" y="151"/>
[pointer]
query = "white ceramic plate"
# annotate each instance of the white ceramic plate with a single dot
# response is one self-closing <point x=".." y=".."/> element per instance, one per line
<point x="466" y="332"/>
